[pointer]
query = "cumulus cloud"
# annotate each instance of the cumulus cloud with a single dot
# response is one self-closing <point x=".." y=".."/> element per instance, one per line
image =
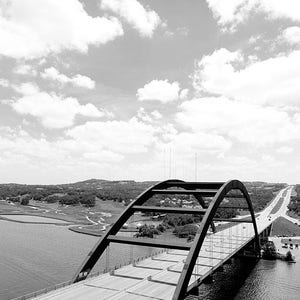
<point x="32" y="28"/>
<point x="25" y="69"/>
<point x="291" y="35"/>
<point x="143" y="115"/>
<point x="274" y="81"/>
<point x="161" y="90"/>
<point x="52" y="110"/>
<point x="156" y="114"/>
<point x="123" y="137"/>
<point x="187" y="143"/>
<point x="77" y="80"/>
<point x="4" y="82"/>
<point x="242" y="122"/>
<point x="45" y="159"/>
<point x="231" y="13"/>
<point x="142" y="19"/>
<point x="285" y="150"/>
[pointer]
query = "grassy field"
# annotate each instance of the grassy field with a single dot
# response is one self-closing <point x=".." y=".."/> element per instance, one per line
<point x="283" y="227"/>
<point x="106" y="211"/>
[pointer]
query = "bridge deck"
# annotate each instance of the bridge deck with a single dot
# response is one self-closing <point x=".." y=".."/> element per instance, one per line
<point x="157" y="277"/>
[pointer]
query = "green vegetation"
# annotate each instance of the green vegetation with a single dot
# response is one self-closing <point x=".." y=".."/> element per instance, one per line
<point x="294" y="205"/>
<point x="262" y="193"/>
<point x="277" y="206"/>
<point x="83" y="193"/>
<point x="147" y="231"/>
<point x="84" y="202"/>
<point x="283" y="227"/>
<point x="269" y="251"/>
<point x="86" y="193"/>
<point x="186" y="231"/>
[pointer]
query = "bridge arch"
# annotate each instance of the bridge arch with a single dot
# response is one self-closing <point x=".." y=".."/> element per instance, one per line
<point x="218" y="190"/>
<point x="190" y="262"/>
<point x="103" y="243"/>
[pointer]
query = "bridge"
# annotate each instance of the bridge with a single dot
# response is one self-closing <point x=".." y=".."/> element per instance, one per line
<point x="178" y="270"/>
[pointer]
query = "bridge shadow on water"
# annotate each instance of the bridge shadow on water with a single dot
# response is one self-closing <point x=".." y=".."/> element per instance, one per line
<point x="226" y="284"/>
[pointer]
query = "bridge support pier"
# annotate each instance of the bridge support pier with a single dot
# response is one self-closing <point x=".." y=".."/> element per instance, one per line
<point x="208" y="279"/>
<point x="194" y="291"/>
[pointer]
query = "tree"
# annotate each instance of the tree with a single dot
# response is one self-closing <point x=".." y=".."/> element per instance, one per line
<point x="25" y="200"/>
<point x="87" y="200"/>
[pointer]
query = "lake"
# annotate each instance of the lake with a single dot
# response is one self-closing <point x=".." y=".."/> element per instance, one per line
<point x="36" y="256"/>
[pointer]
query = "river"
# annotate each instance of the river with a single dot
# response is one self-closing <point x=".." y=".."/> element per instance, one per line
<point x="35" y="256"/>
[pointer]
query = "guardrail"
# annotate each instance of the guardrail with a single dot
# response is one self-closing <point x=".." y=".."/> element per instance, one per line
<point x="91" y="275"/>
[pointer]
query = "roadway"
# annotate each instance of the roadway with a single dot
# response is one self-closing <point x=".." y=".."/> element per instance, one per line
<point x="157" y="277"/>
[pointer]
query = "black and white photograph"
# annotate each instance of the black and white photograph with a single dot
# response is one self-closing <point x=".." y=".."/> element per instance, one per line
<point x="149" y="150"/>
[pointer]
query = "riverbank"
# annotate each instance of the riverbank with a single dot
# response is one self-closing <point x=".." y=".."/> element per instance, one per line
<point x="34" y="219"/>
<point x="87" y="220"/>
<point x="282" y="251"/>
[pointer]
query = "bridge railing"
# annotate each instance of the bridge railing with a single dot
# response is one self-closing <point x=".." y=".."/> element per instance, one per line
<point x="91" y="275"/>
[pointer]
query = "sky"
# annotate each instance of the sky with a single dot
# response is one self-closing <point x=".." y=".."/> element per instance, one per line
<point x="205" y="90"/>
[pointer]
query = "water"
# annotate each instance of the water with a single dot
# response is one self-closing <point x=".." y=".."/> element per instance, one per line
<point x="262" y="280"/>
<point x="33" y="257"/>
<point x="36" y="256"/>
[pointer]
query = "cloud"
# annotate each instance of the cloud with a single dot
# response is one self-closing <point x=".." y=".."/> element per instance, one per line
<point x="43" y="159"/>
<point x="143" y="115"/>
<point x="52" y="110"/>
<point x="77" y="80"/>
<point x="26" y="89"/>
<point x="25" y="70"/>
<point x="4" y="82"/>
<point x="156" y="114"/>
<point x="284" y="150"/>
<point x="161" y="90"/>
<point x="151" y="117"/>
<point x="291" y="35"/>
<point x="187" y="143"/>
<point x="122" y="137"/>
<point x="241" y="122"/>
<point x="144" y="20"/>
<point x="32" y="28"/>
<point x="231" y="13"/>
<point x="274" y="81"/>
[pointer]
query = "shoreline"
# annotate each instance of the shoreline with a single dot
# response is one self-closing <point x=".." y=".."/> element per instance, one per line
<point x="67" y="222"/>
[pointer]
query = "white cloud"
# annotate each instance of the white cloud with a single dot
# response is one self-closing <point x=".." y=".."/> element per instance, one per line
<point x="285" y="150"/>
<point x="44" y="160"/>
<point x="83" y="81"/>
<point x="151" y="117"/>
<point x="292" y="35"/>
<point x="143" y="115"/>
<point x="161" y="90"/>
<point x="26" y="89"/>
<point x="274" y="81"/>
<point x="77" y="80"/>
<point x="242" y="122"/>
<point x="122" y="137"/>
<point x="53" y="111"/>
<point x="142" y="19"/>
<point x="25" y="70"/>
<point x="231" y="13"/>
<point x="4" y="82"/>
<point x="187" y="143"/>
<point x="156" y="114"/>
<point x="33" y="28"/>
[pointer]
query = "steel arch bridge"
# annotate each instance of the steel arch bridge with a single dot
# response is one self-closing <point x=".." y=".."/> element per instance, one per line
<point x="200" y="190"/>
